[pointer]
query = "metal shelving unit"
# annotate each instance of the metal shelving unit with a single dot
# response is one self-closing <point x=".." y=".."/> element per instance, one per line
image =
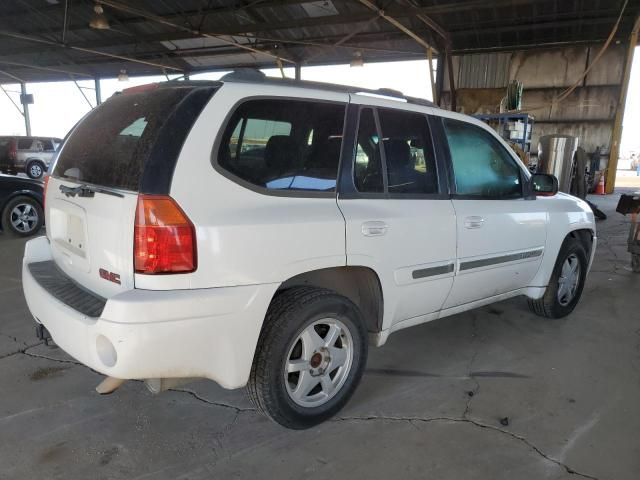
<point x="503" y="119"/>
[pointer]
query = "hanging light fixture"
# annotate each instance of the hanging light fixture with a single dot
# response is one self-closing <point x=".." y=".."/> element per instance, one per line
<point x="122" y="76"/>
<point x="99" y="19"/>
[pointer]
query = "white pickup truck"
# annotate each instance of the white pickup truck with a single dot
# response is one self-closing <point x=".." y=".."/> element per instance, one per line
<point x="262" y="232"/>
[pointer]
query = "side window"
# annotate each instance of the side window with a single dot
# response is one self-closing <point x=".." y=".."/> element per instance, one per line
<point x="284" y="144"/>
<point x="47" y="145"/>
<point x="367" y="170"/>
<point x="410" y="162"/>
<point x="25" y="143"/>
<point x="481" y="166"/>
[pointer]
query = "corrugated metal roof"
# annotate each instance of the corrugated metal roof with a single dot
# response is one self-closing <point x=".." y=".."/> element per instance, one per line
<point x="483" y="70"/>
<point x="158" y="34"/>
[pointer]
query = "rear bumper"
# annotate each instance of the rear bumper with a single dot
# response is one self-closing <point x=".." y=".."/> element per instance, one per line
<point x="8" y="165"/>
<point x="143" y="334"/>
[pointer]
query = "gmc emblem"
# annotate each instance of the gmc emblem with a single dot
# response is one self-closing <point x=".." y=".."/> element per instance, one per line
<point x="112" y="277"/>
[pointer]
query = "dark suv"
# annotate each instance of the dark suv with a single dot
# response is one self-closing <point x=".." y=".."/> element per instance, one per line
<point x="31" y="155"/>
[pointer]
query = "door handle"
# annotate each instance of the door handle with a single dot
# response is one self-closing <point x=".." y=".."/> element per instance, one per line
<point x="374" y="229"/>
<point x="473" y="222"/>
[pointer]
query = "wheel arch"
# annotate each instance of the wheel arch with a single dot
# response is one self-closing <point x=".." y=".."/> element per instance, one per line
<point x="359" y="284"/>
<point x="583" y="233"/>
<point x="585" y="236"/>
<point x="34" y="159"/>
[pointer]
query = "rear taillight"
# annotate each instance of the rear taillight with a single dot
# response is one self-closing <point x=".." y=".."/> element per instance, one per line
<point x="44" y="190"/>
<point x="13" y="150"/>
<point x="164" y="238"/>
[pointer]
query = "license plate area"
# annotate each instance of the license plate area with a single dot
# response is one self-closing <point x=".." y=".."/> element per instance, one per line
<point x="68" y="231"/>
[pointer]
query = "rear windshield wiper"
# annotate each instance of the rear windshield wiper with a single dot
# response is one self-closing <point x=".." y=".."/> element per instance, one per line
<point x="86" y="191"/>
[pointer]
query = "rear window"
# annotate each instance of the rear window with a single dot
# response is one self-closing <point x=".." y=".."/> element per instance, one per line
<point x="110" y="146"/>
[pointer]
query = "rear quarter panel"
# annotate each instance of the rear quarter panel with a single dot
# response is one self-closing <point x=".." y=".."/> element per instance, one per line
<point x="246" y="237"/>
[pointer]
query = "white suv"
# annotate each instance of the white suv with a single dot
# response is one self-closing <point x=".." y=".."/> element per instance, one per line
<point x="262" y="232"/>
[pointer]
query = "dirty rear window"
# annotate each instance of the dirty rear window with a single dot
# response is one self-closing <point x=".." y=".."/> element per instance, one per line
<point x="110" y="146"/>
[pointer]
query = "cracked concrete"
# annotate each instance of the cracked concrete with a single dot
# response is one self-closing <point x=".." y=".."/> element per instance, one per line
<point x="465" y="419"/>
<point x="429" y="405"/>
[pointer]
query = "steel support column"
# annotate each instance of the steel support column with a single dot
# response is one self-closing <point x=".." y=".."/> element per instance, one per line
<point x="298" y="71"/>
<point x="98" y="91"/>
<point x="25" y="108"/>
<point x="452" y="86"/>
<point x="439" y="78"/>
<point x="432" y="79"/>
<point x="616" y="135"/>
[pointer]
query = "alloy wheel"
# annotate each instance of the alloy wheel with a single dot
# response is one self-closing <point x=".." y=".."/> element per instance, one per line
<point x="23" y="217"/>
<point x="569" y="280"/>
<point x="35" y="170"/>
<point x="319" y="362"/>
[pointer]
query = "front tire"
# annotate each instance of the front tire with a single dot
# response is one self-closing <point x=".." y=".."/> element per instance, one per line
<point x="310" y="357"/>
<point x="22" y="216"/>
<point x="566" y="283"/>
<point x="35" y="169"/>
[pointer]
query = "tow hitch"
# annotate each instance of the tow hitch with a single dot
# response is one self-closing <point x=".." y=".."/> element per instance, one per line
<point x="43" y="334"/>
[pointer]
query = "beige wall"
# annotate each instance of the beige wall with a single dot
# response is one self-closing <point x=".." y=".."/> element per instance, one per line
<point x="587" y="113"/>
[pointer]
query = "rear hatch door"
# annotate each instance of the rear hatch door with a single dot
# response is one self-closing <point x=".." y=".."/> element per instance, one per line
<point x="93" y="189"/>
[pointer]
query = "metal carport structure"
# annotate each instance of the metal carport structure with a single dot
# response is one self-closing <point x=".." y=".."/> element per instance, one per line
<point x="57" y="40"/>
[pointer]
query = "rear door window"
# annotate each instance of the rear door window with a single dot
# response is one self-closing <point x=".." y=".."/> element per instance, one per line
<point x="284" y="144"/>
<point x="367" y="172"/>
<point x="410" y="161"/>
<point x="110" y="146"/>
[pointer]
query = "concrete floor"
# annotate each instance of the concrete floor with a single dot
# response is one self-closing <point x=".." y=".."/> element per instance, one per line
<point x="429" y="406"/>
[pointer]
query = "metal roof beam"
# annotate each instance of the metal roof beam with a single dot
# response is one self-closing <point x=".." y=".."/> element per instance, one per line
<point x="459" y="30"/>
<point x="193" y="32"/>
<point x="45" y="68"/>
<point x="396" y="11"/>
<point x="534" y="25"/>
<point x="82" y="49"/>
<point x="395" y="23"/>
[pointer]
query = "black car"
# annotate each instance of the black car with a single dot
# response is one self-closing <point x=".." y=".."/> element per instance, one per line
<point x="21" y="201"/>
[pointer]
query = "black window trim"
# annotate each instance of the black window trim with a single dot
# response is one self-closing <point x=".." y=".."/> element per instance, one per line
<point x="524" y="195"/>
<point x="263" y="190"/>
<point x="346" y="186"/>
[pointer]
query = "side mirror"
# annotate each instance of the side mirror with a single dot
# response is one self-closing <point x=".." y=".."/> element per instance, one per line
<point x="543" y="184"/>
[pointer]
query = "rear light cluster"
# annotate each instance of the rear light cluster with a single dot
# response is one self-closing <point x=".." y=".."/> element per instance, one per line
<point x="164" y="238"/>
<point x="13" y="150"/>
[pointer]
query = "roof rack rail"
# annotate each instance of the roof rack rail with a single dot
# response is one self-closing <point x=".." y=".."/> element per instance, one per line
<point x="389" y="92"/>
<point x="255" y="75"/>
<point x="244" y="74"/>
<point x="421" y="101"/>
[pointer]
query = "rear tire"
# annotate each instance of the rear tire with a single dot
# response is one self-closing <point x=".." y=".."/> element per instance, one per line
<point x="35" y="169"/>
<point x="22" y="216"/>
<point x="566" y="282"/>
<point x="310" y="357"/>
